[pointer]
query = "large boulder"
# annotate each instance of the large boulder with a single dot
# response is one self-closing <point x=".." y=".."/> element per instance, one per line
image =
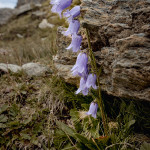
<point x="35" y="69"/>
<point x="120" y="38"/>
<point x="5" y="15"/>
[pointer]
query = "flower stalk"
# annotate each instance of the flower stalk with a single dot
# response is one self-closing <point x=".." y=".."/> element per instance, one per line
<point x="87" y="79"/>
<point x="95" y="70"/>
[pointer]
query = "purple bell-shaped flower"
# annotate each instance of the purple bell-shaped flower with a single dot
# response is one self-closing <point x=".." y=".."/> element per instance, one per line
<point x="91" y="81"/>
<point x="71" y="14"/>
<point x="83" y="89"/>
<point x="73" y="28"/>
<point x="93" y="109"/>
<point x="60" y="5"/>
<point x="75" y="43"/>
<point x="80" y="68"/>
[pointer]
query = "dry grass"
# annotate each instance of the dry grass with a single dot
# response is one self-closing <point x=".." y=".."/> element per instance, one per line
<point x="29" y="107"/>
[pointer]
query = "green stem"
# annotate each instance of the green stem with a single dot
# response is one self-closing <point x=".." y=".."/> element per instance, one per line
<point x="95" y="70"/>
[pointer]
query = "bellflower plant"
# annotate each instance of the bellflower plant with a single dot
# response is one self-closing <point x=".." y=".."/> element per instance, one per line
<point x="80" y="69"/>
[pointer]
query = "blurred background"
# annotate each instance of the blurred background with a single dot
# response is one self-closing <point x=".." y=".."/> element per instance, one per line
<point x="27" y="31"/>
<point x="8" y="3"/>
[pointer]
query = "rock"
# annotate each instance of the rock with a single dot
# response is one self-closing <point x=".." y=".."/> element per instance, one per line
<point x="38" y="14"/>
<point x="115" y="19"/>
<point x="64" y="71"/>
<point x="20" y="36"/>
<point x="5" y="15"/>
<point x="22" y="2"/>
<point x="65" y="59"/>
<point x="120" y="38"/>
<point x="126" y="69"/>
<point x="5" y="68"/>
<point x="125" y="55"/>
<point x="64" y="56"/>
<point x="44" y="24"/>
<point x="31" y="69"/>
<point x="23" y="9"/>
<point x="35" y="69"/>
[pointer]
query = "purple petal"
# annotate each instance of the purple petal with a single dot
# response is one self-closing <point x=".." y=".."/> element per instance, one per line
<point x="81" y="68"/>
<point x="75" y="43"/>
<point x="82" y="87"/>
<point x="73" y="28"/>
<point x="91" y="81"/>
<point x="74" y="12"/>
<point x="85" y="91"/>
<point x="93" y="110"/>
<point x="60" y="5"/>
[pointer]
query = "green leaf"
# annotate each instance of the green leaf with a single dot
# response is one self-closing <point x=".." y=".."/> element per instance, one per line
<point x="68" y="147"/>
<point x="14" y="110"/>
<point x="2" y="125"/>
<point x="27" y="120"/>
<point x="82" y="139"/>
<point x="3" y="118"/>
<point x="3" y="108"/>
<point x="34" y="140"/>
<point x="14" y="123"/>
<point x="24" y="92"/>
<point x="145" y="146"/>
<point x="129" y="124"/>
<point x="65" y="128"/>
<point x="74" y="114"/>
<point x="25" y="136"/>
<point x="85" y="106"/>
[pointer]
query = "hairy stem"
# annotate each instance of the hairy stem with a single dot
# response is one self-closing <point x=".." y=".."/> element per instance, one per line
<point x="95" y="70"/>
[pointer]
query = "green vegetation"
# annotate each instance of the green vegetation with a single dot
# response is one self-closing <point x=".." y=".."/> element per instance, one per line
<point x="44" y="113"/>
<point x="30" y="107"/>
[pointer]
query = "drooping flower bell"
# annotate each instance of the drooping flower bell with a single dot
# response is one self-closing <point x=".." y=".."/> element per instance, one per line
<point x="81" y="68"/>
<point x="93" y="109"/>
<point x="83" y="89"/>
<point x="60" y="5"/>
<point x="75" y="43"/>
<point x="73" y="28"/>
<point x="71" y="14"/>
<point x="91" y="81"/>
